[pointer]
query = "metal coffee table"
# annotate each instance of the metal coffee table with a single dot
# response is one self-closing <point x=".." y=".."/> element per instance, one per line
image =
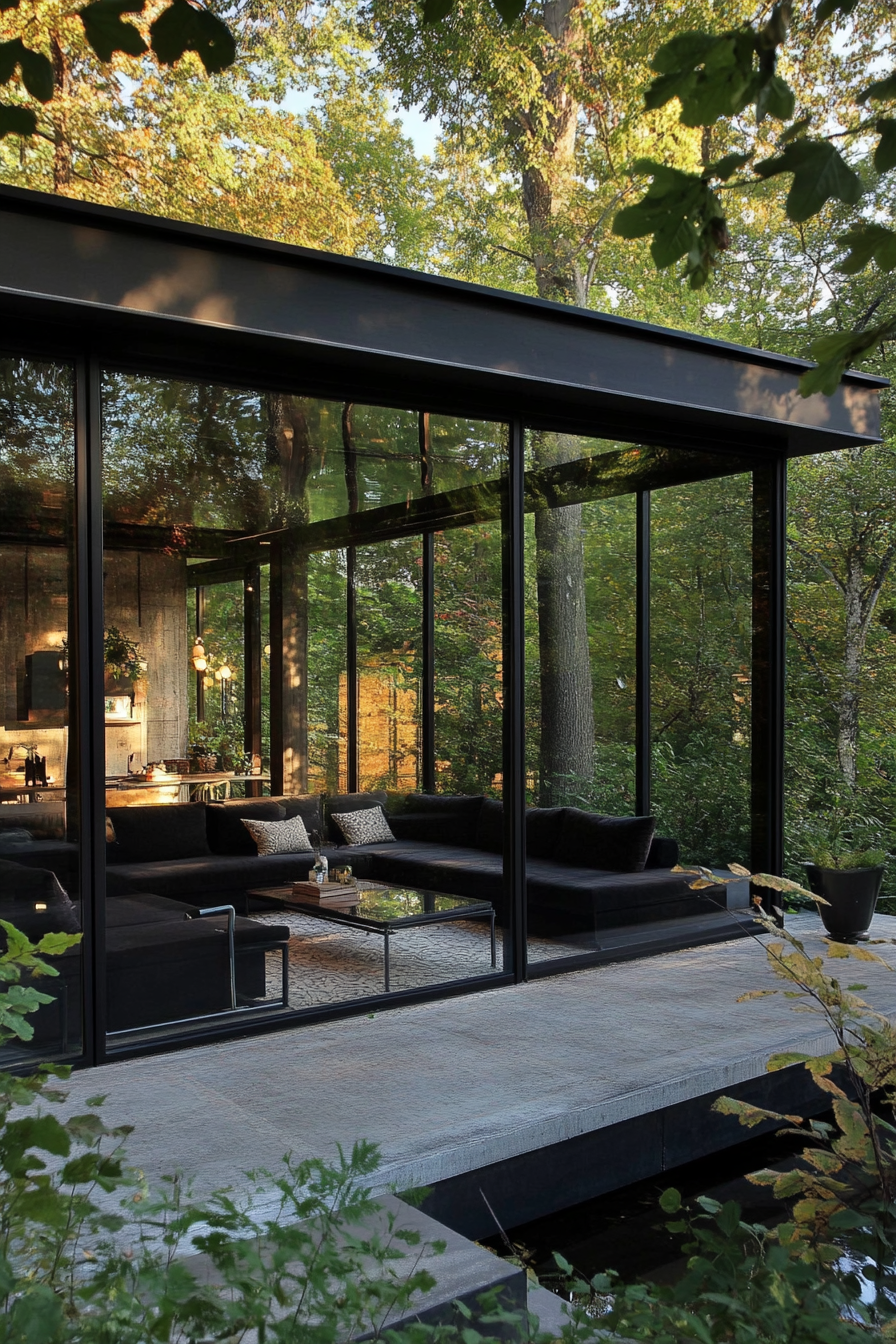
<point x="386" y="910"/>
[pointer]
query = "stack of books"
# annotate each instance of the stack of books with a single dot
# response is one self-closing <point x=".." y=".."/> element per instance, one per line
<point x="324" y="891"/>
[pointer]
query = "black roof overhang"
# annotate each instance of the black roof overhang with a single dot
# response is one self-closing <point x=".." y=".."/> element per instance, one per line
<point x="153" y="294"/>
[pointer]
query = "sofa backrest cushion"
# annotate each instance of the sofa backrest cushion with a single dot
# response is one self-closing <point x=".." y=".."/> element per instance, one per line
<point x="35" y="902"/>
<point x="224" y="827"/>
<point x="442" y="818"/>
<point x="162" y="831"/>
<point x="490" y="826"/>
<point x="363" y="826"/>
<point x="304" y="805"/>
<point x="347" y="802"/>
<point x="614" y="844"/>
<point x="279" y="837"/>
<point x="543" y="827"/>
<point x="664" y="853"/>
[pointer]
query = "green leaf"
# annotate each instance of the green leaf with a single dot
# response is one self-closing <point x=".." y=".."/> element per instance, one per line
<point x="37" y="75"/>
<point x="711" y="75"/>
<point x="673" y="238"/>
<point x="729" y="1217"/>
<point x="885" y="153"/>
<point x="819" y="174"/>
<point x="828" y="8"/>
<point x="836" y="352"/>
<point x="724" y="167"/>
<point x="685" y="51"/>
<point x="184" y="27"/>
<point x="37" y="1317"/>
<point x="37" y="72"/>
<point x="106" y="31"/>
<point x="634" y="221"/>
<point x="436" y="10"/>
<point x="880" y="90"/>
<point x="776" y="99"/>
<point x="792" y="132"/>
<point x="510" y="10"/>
<point x="670" y="1201"/>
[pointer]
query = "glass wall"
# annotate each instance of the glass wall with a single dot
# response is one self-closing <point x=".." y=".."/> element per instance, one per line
<point x="701" y="651"/>
<point x="39" y="795"/>
<point x="618" y="534"/>
<point x="278" y="570"/>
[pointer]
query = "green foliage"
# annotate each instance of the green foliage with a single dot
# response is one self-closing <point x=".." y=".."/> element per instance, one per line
<point x="184" y="26"/>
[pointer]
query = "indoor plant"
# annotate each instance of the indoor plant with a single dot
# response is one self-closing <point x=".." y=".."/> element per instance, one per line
<point x="845" y="866"/>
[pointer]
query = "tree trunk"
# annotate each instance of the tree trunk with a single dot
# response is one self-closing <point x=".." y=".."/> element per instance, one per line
<point x="289" y="444"/>
<point x="567" y="705"/>
<point x="848" y="701"/>
<point x="567" y="709"/>
<point x="63" y="156"/>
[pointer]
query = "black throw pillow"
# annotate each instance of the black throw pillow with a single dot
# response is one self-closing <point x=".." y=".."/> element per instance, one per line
<point x="454" y="816"/>
<point x="614" y="844"/>
<point x="306" y="806"/>
<point x="34" y="900"/>
<point x="490" y="826"/>
<point x="543" y="827"/>
<point x="162" y="831"/>
<point x="224" y="823"/>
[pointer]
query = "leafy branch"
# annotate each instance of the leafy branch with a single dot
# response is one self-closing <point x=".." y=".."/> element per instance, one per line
<point x="183" y="26"/>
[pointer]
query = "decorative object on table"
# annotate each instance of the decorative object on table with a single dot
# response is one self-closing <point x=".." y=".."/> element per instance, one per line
<point x="342" y="873"/>
<point x="845" y="867"/>
<point x="320" y="870"/>
<point x="177" y="765"/>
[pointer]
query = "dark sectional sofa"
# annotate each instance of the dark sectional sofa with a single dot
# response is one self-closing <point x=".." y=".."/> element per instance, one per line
<point x="584" y="872"/>
<point x="166" y="864"/>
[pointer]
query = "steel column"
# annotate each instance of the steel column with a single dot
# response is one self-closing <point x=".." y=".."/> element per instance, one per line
<point x="643" y="742"/>
<point x="767" y="690"/>
<point x="514" y="722"/>
<point x="87" y="700"/>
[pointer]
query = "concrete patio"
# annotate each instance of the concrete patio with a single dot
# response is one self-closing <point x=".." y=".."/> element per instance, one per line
<point x="452" y="1087"/>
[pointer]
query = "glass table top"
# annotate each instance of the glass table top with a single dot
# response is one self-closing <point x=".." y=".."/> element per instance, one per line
<point x="390" y="905"/>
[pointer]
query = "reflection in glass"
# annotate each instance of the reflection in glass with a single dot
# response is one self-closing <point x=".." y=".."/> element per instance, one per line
<point x="701" y="637"/>
<point x="39" y="801"/>
<point x="269" y="582"/>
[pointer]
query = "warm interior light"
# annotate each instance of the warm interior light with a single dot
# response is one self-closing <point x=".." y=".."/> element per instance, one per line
<point x="40" y="905"/>
<point x="197" y="655"/>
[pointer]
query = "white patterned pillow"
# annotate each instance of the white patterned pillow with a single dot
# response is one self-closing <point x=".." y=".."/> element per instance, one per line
<point x="279" y="837"/>
<point x="367" y="827"/>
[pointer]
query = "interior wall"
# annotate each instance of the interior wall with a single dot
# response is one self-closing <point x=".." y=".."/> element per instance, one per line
<point x="146" y="598"/>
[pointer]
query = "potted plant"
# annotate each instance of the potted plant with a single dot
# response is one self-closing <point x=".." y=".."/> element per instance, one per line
<point x="845" y="866"/>
<point x="123" y="663"/>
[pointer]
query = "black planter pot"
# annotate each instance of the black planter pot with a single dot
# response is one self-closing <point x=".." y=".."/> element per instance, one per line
<point x="851" y="894"/>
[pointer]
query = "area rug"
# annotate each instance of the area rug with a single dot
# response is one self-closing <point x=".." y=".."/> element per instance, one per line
<point x="329" y="963"/>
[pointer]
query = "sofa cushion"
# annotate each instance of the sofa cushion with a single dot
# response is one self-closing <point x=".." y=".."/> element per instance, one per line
<point x="441" y="818"/>
<point x="543" y="826"/>
<point x="366" y="826"/>
<point x="304" y="805"/>
<point x="34" y="900"/>
<point x="664" y="853"/>
<point x="614" y="844"/>
<point x="347" y="802"/>
<point x="279" y="837"/>
<point x="224" y="827"/>
<point x="490" y="827"/>
<point x="162" y="831"/>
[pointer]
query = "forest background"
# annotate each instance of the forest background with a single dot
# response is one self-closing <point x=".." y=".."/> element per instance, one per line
<point x="539" y="125"/>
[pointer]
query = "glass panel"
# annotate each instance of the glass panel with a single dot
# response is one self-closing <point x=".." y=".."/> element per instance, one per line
<point x="389" y="616"/>
<point x="701" y="627"/>
<point x="264" y="601"/>
<point x="469" y="694"/>
<point x="596" y="881"/>
<point x="39" y="803"/>
<point x="581" y="674"/>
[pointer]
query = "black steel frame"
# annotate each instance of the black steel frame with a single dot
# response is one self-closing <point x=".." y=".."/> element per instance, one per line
<point x="88" y="741"/>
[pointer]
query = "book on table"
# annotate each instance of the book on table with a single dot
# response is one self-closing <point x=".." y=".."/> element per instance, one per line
<point x="324" y="891"/>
